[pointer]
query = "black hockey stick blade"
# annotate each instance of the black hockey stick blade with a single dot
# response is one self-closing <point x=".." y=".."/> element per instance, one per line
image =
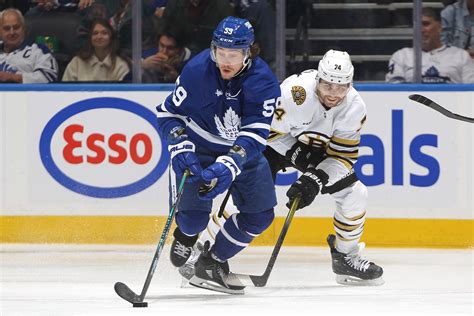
<point x="435" y="106"/>
<point x="261" y="280"/>
<point x="127" y="294"/>
<point x="122" y="289"/>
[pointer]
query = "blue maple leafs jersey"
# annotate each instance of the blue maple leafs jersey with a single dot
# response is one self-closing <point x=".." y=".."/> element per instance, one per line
<point x="219" y="113"/>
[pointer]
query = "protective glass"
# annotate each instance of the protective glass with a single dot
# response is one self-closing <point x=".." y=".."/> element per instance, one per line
<point x="333" y="89"/>
<point x="227" y="56"/>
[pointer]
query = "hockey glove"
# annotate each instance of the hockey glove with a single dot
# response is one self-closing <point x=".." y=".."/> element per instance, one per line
<point x="182" y="155"/>
<point x="308" y="186"/>
<point x="302" y="155"/>
<point x="219" y="176"/>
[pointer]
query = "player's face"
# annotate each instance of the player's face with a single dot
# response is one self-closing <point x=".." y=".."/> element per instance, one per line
<point x="331" y="94"/>
<point x="100" y="37"/>
<point x="12" y="31"/>
<point x="229" y="61"/>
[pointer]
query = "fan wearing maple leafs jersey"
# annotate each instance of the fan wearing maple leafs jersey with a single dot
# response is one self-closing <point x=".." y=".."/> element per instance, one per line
<point x="20" y="61"/>
<point x="216" y="123"/>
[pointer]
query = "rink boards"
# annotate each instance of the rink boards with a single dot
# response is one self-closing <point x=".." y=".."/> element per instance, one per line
<point x="85" y="164"/>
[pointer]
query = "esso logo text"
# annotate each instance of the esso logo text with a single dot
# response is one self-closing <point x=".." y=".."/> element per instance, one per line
<point x="97" y="144"/>
<point x="104" y="148"/>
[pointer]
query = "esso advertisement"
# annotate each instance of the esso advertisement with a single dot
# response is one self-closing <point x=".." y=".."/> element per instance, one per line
<point x="104" y="148"/>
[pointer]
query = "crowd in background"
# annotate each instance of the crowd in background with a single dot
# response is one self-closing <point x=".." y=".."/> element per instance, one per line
<point x="92" y="39"/>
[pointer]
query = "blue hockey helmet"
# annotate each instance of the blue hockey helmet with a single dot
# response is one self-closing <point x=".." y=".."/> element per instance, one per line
<point x="233" y="32"/>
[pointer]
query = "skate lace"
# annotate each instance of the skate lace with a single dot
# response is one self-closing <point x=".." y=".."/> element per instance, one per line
<point x="181" y="250"/>
<point x="356" y="260"/>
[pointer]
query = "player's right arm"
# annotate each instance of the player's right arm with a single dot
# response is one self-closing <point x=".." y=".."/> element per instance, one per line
<point x="284" y="118"/>
<point x="172" y="112"/>
<point x="289" y="120"/>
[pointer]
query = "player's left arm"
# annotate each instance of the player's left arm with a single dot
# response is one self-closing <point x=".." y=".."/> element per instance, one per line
<point x="260" y="101"/>
<point x="343" y="148"/>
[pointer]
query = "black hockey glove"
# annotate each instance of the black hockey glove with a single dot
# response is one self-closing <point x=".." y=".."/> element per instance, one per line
<point x="308" y="186"/>
<point x="302" y="155"/>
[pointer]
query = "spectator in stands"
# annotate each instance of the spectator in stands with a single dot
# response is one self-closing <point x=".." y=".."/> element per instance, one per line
<point x="261" y="15"/>
<point x="440" y="63"/>
<point x="119" y="13"/>
<point x="457" y="22"/>
<point x="195" y="19"/>
<point x="159" y="7"/>
<point x="21" y="62"/>
<point x="100" y="59"/>
<point x="164" y="63"/>
<point x="43" y="6"/>
<point x="22" y="5"/>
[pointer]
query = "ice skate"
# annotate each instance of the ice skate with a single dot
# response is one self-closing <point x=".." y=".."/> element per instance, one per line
<point x="211" y="274"/>
<point x="352" y="268"/>
<point x="181" y="248"/>
<point x="187" y="270"/>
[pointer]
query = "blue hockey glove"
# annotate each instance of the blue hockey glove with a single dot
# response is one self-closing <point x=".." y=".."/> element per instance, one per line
<point x="182" y="155"/>
<point x="308" y="186"/>
<point x="219" y="176"/>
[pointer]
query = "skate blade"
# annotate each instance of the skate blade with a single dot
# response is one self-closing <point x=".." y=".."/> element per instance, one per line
<point x="209" y="285"/>
<point x="233" y="280"/>
<point x="350" y="280"/>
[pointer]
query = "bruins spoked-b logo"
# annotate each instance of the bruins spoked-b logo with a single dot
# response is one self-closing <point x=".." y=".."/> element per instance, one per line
<point x="299" y="94"/>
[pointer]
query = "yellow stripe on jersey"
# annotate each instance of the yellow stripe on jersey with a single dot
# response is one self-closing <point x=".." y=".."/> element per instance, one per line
<point x="346" y="227"/>
<point x="274" y="135"/>
<point x="345" y="142"/>
<point x="340" y="153"/>
<point x="362" y="122"/>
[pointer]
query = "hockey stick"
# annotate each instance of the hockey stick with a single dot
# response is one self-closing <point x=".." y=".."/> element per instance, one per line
<point x="224" y="203"/>
<point x="122" y="289"/>
<point x="435" y="106"/>
<point x="261" y="280"/>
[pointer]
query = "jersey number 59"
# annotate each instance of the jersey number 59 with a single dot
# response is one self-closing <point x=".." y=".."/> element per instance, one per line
<point x="269" y="106"/>
<point x="179" y="94"/>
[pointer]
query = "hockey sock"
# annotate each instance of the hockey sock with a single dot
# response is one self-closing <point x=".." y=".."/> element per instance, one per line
<point x="238" y="231"/>
<point x="348" y="231"/>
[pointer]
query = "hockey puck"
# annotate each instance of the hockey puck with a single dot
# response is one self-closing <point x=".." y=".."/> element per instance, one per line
<point x="140" y="304"/>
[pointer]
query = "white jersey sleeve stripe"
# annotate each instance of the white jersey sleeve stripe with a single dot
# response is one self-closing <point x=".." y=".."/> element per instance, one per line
<point x="259" y="139"/>
<point x="257" y="125"/>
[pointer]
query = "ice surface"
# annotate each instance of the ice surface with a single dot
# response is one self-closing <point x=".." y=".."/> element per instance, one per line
<point x="79" y="279"/>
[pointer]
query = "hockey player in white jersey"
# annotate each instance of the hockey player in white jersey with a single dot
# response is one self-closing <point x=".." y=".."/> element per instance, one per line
<point x="22" y="62"/>
<point x="316" y="129"/>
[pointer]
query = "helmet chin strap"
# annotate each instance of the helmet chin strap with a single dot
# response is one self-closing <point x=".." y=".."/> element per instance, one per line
<point x="245" y="65"/>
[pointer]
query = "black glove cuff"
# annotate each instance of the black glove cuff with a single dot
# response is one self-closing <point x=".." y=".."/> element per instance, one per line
<point x="318" y="176"/>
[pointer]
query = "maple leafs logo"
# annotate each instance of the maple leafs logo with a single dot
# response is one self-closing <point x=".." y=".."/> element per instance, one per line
<point x="229" y="129"/>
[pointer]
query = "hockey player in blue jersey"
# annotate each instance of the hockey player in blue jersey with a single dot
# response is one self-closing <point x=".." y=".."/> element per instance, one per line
<point x="216" y="123"/>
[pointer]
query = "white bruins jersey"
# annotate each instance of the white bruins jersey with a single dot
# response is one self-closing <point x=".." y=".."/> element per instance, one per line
<point x="34" y="62"/>
<point x="300" y="116"/>
<point x="446" y="64"/>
